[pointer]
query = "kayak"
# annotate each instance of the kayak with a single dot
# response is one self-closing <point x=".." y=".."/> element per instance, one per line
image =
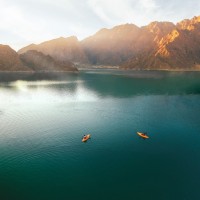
<point x="143" y="135"/>
<point x="86" y="138"/>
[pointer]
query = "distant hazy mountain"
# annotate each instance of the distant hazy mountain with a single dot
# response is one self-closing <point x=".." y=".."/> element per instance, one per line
<point x="112" y="46"/>
<point x="159" y="45"/>
<point x="37" y="61"/>
<point x="61" y="49"/>
<point x="9" y="60"/>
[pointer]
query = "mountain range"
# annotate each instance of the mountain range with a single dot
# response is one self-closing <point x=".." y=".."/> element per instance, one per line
<point x="31" y="61"/>
<point x="159" y="45"/>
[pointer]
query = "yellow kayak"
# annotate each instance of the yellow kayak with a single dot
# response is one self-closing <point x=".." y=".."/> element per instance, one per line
<point x="85" y="138"/>
<point x="143" y="135"/>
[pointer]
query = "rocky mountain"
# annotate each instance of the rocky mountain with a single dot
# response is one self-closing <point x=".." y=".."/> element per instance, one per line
<point x="111" y="46"/>
<point x="30" y="61"/>
<point x="37" y="61"/>
<point x="178" y="49"/>
<point x="9" y="60"/>
<point x="60" y="49"/>
<point x="117" y="45"/>
<point x="159" y="45"/>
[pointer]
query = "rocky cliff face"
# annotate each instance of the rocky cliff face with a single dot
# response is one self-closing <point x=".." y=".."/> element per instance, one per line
<point x="178" y="49"/>
<point x="9" y="60"/>
<point x="37" y="61"/>
<point x="188" y="24"/>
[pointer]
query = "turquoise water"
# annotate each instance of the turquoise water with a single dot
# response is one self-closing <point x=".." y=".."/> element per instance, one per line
<point x="43" y="118"/>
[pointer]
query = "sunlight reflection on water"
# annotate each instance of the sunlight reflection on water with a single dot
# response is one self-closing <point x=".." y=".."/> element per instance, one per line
<point x="45" y="92"/>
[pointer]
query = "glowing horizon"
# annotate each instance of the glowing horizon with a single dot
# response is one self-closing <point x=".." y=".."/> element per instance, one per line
<point x="24" y="22"/>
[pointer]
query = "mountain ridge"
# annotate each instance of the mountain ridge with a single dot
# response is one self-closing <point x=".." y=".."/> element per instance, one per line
<point x="31" y="61"/>
<point x="158" y="45"/>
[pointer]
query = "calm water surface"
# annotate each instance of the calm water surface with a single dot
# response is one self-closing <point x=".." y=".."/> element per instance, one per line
<point x="43" y="118"/>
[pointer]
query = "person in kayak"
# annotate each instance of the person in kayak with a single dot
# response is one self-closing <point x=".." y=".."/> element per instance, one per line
<point x="84" y="136"/>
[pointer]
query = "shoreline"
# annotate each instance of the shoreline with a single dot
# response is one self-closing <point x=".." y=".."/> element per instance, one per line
<point x="116" y="67"/>
<point x="99" y="68"/>
<point x="39" y="72"/>
<point x="119" y="69"/>
<point x="167" y="70"/>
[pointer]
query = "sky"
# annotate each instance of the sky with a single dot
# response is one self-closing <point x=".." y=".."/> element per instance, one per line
<point x="23" y="22"/>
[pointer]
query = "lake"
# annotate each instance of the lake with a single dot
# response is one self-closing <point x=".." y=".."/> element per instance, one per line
<point x="44" y="116"/>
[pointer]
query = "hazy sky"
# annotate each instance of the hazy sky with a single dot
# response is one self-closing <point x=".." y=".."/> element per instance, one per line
<point x="32" y="21"/>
